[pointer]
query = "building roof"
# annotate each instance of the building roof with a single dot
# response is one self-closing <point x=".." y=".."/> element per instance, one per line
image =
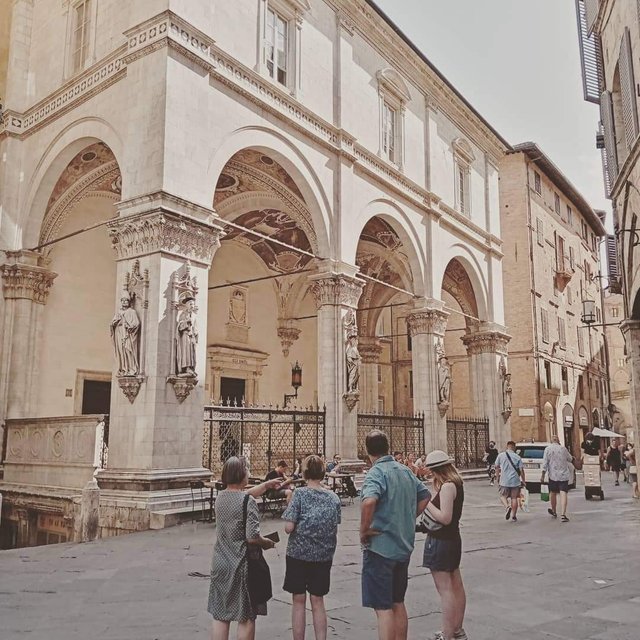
<point x="542" y="160"/>
<point x="431" y="66"/>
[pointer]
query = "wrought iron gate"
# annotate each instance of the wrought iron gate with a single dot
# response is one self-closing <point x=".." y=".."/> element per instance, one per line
<point x="405" y="433"/>
<point x="467" y="439"/>
<point x="263" y="435"/>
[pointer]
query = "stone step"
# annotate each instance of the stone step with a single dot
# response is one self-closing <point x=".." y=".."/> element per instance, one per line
<point x="160" y="519"/>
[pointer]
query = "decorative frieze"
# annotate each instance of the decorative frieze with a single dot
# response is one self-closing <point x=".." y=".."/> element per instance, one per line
<point x="486" y="342"/>
<point x="429" y="321"/>
<point x="164" y="232"/>
<point x="336" y="289"/>
<point x="26" y="281"/>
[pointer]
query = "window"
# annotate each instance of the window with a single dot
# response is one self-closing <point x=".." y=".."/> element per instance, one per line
<point x="571" y="259"/>
<point x="580" y="342"/>
<point x="622" y="363"/>
<point x="276" y="49"/>
<point x="545" y="325"/>
<point x="381" y="404"/>
<point x="389" y="132"/>
<point x="569" y="216"/>
<point x="580" y="388"/>
<point x="565" y="381"/>
<point x="560" y="265"/>
<point x="615" y="312"/>
<point x="562" y="336"/>
<point x="462" y="188"/>
<point x="463" y="158"/>
<point x="379" y="373"/>
<point x="556" y="203"/>
<point x="410" y="383"/>
<point x="547" y="375"/>
<point x="409" y="342"/>
<point x="540" y="231"/>
<point x="537" y="183"/>
<point x="81" y="36"/>
<point x="569" y="295"/>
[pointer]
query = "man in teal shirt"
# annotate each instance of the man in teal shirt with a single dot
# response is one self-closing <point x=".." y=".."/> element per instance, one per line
<point x="392" y="498"/>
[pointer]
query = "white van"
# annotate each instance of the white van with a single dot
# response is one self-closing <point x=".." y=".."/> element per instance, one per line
<point x="532" y="454"/>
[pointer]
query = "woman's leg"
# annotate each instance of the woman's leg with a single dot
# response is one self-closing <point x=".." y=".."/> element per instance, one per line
<point x="298" y="615"/>
<point x="461" y="598"/>
<point x="247" y="630"/>
<point x="444" y="585"/>
<point x="319" y="614"/>
<point x="220" y="630"/>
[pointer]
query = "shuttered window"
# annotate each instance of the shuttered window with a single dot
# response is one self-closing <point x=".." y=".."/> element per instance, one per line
<point x="540" y="231"/>
<point x="628" y="91"/>
<point x="590" y="51"/>
<point x="545" y="325"/>
<point x="591" y="11"/>
<point x="606" y="116"/>
<point x="562" y="336"/>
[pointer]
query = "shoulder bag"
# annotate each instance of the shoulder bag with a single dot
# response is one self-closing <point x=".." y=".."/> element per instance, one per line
<point x="506" y="453"/>
<point x="259" y="575"/>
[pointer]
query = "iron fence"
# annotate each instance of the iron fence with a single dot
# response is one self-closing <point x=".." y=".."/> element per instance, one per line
<point x="405" y="432"/>
<point x="467" y="439"/>
<point x="263" y="435"/>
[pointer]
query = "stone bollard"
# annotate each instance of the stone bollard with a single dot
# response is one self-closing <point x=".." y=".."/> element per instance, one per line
<point x="90" y="512"/>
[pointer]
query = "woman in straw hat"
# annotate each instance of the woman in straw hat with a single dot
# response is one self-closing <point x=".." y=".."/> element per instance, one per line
<point x="443" y="546"/>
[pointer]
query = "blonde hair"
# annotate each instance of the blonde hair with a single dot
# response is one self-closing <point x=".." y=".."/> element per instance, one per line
<point x="446" y="473"/>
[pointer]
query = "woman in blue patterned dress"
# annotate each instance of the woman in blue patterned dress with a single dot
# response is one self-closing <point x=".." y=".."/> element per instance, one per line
<point x="312" y="519"/>
<point x="229" y="591"/>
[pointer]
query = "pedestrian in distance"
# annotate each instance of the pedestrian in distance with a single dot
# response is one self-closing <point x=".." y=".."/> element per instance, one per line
<point x="238" y="530"/>
<point x="511" y="479"/>
<point x="490" y="457"/>
<point x="630" y="455"/>
<point x="555" y="463"/>
<point x="312" y="520"/>
<point x="392" y="498"/>
<point x="443" y="546"/>
<point x="614" y="460"/>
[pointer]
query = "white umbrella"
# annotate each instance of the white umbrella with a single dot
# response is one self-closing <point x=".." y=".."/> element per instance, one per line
<point x="606" y="433"/>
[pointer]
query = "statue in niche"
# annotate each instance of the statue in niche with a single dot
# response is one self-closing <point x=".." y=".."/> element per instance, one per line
<point x="125" y="334"/>
<point x="353" y="363"/>
<point x="238" y="307"/>
<point x="507" y="392"/>
<point x="444" y="375"/>
<point x="187" y="338"/>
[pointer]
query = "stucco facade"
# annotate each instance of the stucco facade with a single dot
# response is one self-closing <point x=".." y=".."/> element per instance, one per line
<point x="355" y="180"/>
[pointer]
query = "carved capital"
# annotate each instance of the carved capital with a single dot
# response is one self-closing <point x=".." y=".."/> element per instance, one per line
<point x="336" y="290"/>
<point x="486" y="342"/>
<point x="370" y="350"/>
<point x="164" y="223"/>
<point x="432" y="321"/>
<point x="25" y="277"/>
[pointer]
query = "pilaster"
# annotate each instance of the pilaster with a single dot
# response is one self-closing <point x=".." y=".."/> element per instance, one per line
<point x="631" y="331"/>
<point x="370" y="351"/>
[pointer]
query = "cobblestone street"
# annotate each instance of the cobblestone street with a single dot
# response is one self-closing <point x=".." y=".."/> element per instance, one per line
<point x="534" y="580"/>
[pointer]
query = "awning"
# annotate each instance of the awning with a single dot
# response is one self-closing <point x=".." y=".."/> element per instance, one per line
<point x="606" y="433"/>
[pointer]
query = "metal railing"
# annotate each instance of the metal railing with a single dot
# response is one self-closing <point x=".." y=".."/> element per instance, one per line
<point x="467" y="439"/>
<point x="405" y="432"/>
<point x="263" y="435"/>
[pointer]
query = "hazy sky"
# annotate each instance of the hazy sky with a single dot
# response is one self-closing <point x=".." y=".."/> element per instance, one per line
<point x="518" y="63"/>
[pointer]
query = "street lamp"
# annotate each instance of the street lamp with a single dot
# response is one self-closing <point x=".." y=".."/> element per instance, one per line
<point x="296" y="383"/>
<point x="588" y="312"/>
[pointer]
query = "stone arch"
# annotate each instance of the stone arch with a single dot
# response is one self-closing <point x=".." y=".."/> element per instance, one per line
<point x="275" y="145"/>
<point x="56" y="157"/>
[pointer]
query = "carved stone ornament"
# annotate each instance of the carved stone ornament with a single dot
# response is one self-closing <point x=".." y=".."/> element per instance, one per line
<point x="25" y="281"/>
<point x="431" y="321"/>
<point x="288" y="335"/>
<point x="336" y="290"/>
<point x="351" y="399"/>
<point x="130" y="386"/>
<point x="486" y="342"/>
<point x="182" y="385"/>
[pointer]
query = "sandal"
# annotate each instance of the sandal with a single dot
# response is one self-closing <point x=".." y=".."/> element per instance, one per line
<point x="508" y="513"/>
<point x="564" y="519"/>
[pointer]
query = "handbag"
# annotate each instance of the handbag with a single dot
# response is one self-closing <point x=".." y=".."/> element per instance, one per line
<point x="633" y="469"/>
<point x="428" y="523"/>
<point x="259" y="574"/>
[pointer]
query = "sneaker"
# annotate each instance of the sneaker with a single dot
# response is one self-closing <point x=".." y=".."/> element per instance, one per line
<point x="617" y="484"/>
<point x="514" y="519"/>
<point x="461" y="635"/>
<point x="552" y="513"/>
<point x="564" y="519"/>
<point x="438" y="636"/>
<point x="508" y="513"/>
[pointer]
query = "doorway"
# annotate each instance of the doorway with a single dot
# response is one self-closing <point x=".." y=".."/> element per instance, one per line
<point x="232" y="391"/>
<point x="96" y="397"/>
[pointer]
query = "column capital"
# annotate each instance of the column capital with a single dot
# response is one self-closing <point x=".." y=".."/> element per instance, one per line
<point x="336" y="289"/>
<point x="424" y="321"/>
<point x="162" y="223"/>
<point x="25" y="276"/>
<point x="492" y="340"/>
<point x="628" y="325"/>
<point x="370" y="349"/>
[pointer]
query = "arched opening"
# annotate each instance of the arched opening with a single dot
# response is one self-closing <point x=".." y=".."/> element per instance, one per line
<point x="76" y="357"/>
<point x="568" y="429"/>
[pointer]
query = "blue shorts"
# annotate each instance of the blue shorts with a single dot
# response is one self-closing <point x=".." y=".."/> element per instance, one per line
<point x="384" y="581"/>
<point x="442" y="555"/>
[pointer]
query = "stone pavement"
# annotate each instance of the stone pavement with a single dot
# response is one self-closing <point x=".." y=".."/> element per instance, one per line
<point x="536" y="579"/>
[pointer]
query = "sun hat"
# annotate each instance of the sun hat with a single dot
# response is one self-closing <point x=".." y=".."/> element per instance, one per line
<point x="438" y="458"/>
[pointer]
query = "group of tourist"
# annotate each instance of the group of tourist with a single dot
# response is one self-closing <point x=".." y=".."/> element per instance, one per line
<point x="621" y="458"/>
<point x="392" y="497"/>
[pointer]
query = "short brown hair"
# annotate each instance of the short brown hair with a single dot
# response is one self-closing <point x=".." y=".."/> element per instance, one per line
<point x="283" y="464"/>
<point x="377" y="443"/>
<point x="312" y="468"/>
<point x="234" y="470"/>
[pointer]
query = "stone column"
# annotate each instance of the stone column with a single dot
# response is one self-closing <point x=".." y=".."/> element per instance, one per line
<point x="26" y="282"/>
<point x="336" y="294"/>
<point x="487" y="350"/>
<point x="370" y="350"/>
<point x="156" y="417"/>
<point x="631" y="332"/>
<point x="426" y="327"/>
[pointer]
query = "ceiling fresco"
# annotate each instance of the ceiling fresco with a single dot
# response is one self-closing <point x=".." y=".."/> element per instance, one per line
<point x="457" y="284"/>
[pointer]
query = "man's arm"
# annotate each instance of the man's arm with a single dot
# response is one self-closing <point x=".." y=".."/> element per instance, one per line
<point x="367" y="510"/>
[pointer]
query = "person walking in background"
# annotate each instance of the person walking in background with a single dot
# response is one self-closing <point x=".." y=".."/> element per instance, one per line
<point x="312" y="520"/>
<point x="614" y="460"/>
<point x="625" y="461"/>
<point x="555" y="462"/>
<point x="392" y="498"/>
<point x="238" y="527"/>
<point x="490" y="457"/>
<point x="511" y="479"/>
<point x="443" y="546"/>
<point x="630" y="455"/>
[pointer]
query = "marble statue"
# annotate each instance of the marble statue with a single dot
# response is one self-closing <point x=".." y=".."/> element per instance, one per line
<point x="353" y="363"/>
<point x="444" y="379"/>
<point x="507" y="392"/>
<point x="187" y="338"/>
<point x="125" y="334"/>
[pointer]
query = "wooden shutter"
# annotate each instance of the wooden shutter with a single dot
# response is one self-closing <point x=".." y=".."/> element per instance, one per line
<point x="590" y="51"/>
<point x="591" y="12"/>
<point x="608" y="125"/>
<point x="628" y="90"/>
